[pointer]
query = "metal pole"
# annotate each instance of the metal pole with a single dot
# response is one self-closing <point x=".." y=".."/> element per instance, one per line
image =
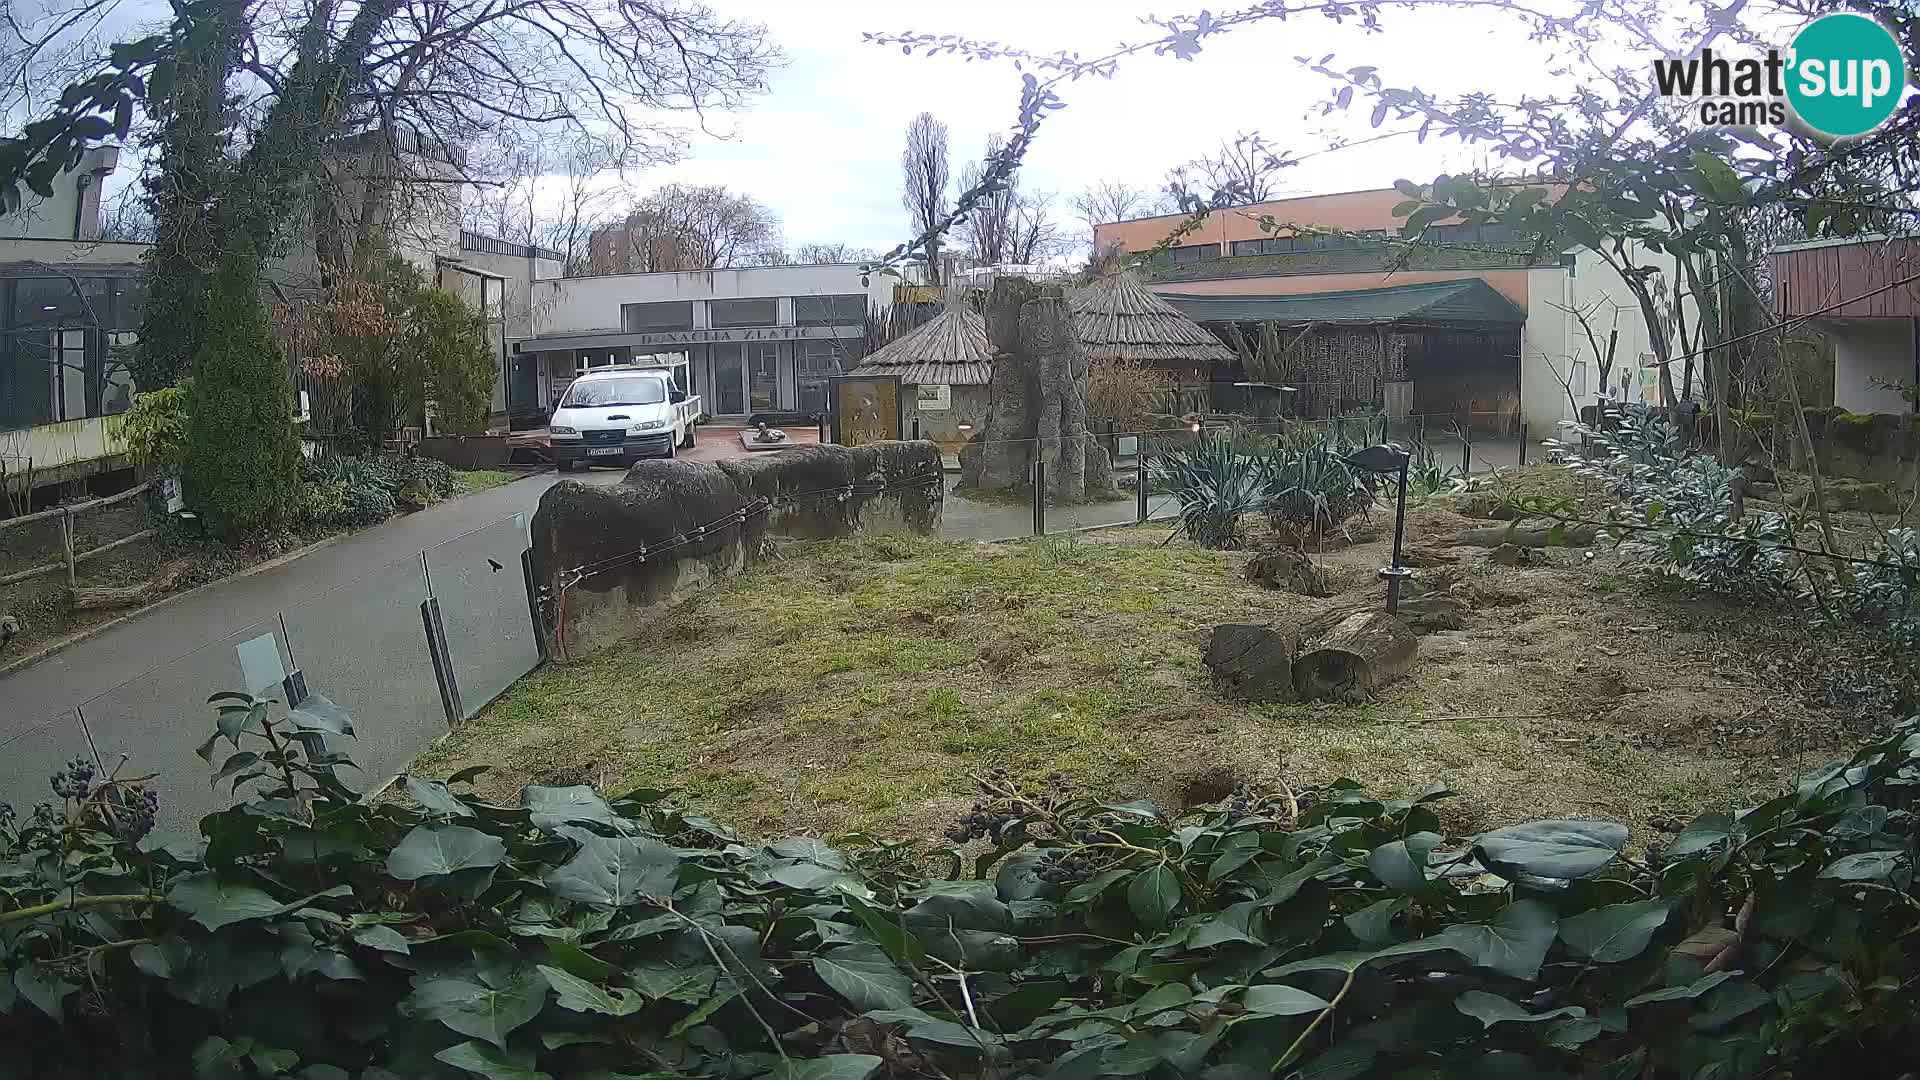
<point x="1399" y="531"/>
<point x="916" y="427"/>
<point x="1523" y="444"/>
<point x="1039" y="495"/>
<point x="442" y="663"/>
<point x="1466" y="446"/>
<point x="533" y="602"/>
<point x="1140" y="484"/>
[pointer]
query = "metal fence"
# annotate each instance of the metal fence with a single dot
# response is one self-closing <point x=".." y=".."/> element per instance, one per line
<point x="410" y="649"/>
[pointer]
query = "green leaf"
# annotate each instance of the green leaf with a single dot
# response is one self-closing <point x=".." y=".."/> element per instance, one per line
<point x="433" y="796"/>
<point x="866" y="977"/>
<point x="1491" y="1009"/>
<point x="179" y="847"/>
<point x="807" y="849"/>
<point x="552" y="807"/>
<point x="1153" y="894"/>
<point x="1231" y="926"/>
<point x="44" y="988"/>
<point x="383" y="938"/>
<point x="1277" y="999"/>
<point x="477" y="1010"/>
<point x="1700" y="834"/>
<point x="1574" y="1033"/>
<point x="1680" y="993"/>
<point x="431" y="850"/>
<point x="830" y="1067"/>
<point x="1553" y="849"/>
<point x="614" y="872"/>
<point x="1724" y="1004"/>
<point x="490" y="1062"/>
<point x="316" y="713"/>
<point x="1373" y="924"/>
<point x="214" y="903"/>
<point x="1864" y="866"/>
<point x="1615" y="932"/>
<point x="234" y="765"/>
<point x="1401" y="865"/>
<point x="580" y="995"/>
<point x="902" y="947"/>
<point x="1515" y="943"/>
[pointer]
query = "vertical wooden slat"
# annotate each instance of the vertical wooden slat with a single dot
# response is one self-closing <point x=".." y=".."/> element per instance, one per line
<point x="66" y="545"/>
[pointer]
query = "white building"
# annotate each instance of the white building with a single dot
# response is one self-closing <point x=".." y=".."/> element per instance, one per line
<point x="757" y="339"/>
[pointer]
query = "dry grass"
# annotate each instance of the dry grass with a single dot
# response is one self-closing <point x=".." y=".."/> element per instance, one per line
<point x="855" y="685"/>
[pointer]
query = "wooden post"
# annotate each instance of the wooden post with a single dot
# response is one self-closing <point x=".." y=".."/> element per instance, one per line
<point x="66" y="545"/>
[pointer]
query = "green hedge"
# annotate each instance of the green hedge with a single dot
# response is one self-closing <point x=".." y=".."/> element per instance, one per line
<point x="242" y="458"/>
<point x="1325" y="934"/>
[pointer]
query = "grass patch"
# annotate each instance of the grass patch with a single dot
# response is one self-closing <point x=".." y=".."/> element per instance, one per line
<point x="857" y="685"/>
<point x="472" y="480"/>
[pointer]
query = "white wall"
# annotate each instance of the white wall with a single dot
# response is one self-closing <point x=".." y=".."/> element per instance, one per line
<point x="53" y="218"/>
<point x="592" y="304"/>
<point x="1866" y="354"/>
<point x="70" y="252"/>
<point x="1553" y="338"/>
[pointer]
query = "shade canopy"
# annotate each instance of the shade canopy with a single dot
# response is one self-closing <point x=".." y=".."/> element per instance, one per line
<point x="1118" y="319"/>
<point x="1466" y="301"/>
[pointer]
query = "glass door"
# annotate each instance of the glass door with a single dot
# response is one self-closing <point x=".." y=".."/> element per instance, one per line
<point x="763" y="369"/>
<point x="729" y="377"/>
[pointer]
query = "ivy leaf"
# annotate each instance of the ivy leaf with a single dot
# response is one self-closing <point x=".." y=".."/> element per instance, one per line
<point x="1864" y="866"/>
<point x="1680" y="993"/>
<point x="1491" y="1009"/>
<point x="582" y="996"/>
<point x="1515" y="943"/>
<point x="866" y="977"/>
<point x="316" y="713"/>
<point x="45" y="988"/>
<point x="830" y="1067"/>
<point x="1616" y="932"/>
<point x="1373" y="924"/>
<point x="383" y="938"/>
<point x="1552" y="849"/>
<point x="490" y="1062"/>
<point x="613" y="872"/>
<point x="1153" y="895"/>
<point x="807" y="849"/>
<point x="235" y="764"/>
<point x="434" y="796"/>
<point x="1700" y="834"/>
<point x="1401" y="865"/>
<point x="431" y="850"/>
<point x="1277" y="999"/>
<point x="477" y="1010"/>
<point x="214" y="903"/>
<point x="552" y="807"/>
<point x="1725" y="1004"/>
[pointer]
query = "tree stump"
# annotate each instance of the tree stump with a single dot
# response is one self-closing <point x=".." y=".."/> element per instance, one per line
<point x="1287" y="571"/>
<point x="1252" y="663"/>
<point x="1354" y="658"/>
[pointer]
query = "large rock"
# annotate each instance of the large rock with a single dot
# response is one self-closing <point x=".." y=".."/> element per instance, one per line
<point x="1252" y="663"/>
<point x="608" y="557"/>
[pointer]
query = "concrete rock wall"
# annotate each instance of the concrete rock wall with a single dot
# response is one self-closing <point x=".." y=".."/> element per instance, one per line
<point x="700" y="521"/>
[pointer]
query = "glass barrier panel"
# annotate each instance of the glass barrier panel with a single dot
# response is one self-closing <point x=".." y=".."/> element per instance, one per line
<point x="482" y="591"/>
<point x="158" y="719"/>
<point x="363" y="646"/>
<point x="30" y="753"/>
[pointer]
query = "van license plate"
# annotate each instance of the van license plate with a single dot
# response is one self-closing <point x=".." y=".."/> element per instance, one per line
<point x="604" y="451"/>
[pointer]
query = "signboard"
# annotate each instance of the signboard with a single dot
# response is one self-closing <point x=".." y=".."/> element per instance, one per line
<point x="753" y="333"/>
<point x="170" y="487"/>
<point x="935" y="398"/>
<point x="865" y="408"/>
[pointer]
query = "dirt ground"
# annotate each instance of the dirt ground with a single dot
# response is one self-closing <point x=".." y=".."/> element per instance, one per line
<point x="856" y="686"/>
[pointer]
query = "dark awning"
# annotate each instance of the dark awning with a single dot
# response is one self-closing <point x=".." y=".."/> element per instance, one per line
<point x="1469" y="300"/>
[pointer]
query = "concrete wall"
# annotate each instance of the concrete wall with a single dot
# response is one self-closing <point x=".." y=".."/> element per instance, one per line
<point x="1553" y="341"/>
<point x="590" y="304"/>
<point x="969" y="406"/>
<point x="77" y="189"/>
<point x="1872" y="360"/>
<point x="57" y="450"/>
<point x="703" y="521"/>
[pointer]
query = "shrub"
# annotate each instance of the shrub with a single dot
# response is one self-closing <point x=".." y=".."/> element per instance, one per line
<point x="457" y="362"/>
<point x="346" y="491"/>
<point x="1127" y="393"/>
<point x="1216" y="485"/>
<point x="155" y="429"/>
<point x="1318" y="933"/>
<point x="242" y="459"/>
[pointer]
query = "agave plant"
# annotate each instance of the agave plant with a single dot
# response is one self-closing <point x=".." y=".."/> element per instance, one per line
<point x="1312" y="490"/>
<point x="1216" y="483"/>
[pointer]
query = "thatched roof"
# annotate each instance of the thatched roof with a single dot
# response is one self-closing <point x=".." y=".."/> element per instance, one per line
<point x="949" y="348"/>
<point x="1117" y="318"/>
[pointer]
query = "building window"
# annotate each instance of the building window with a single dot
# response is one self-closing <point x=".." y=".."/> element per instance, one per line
<point x="1272" y="245"/>
<point x="65" y="346"/>
<point x="722" y="314"/>
<point x="818" y="361"/>
<point x="1193" y="253"/>
<point x="840" y="309"/>
<point x="656" y="318"/>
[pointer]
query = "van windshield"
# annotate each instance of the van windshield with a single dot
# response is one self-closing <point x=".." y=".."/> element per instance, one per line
<point x="638" y="390"/>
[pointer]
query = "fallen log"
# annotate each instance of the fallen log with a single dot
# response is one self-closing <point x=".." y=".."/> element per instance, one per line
<point x="105" y="599"/>
<point x="1252" y="663"/>
<point x="1354" y="658"/>
<point x="1423" y="613"/>
<point x="1496" y="535"/>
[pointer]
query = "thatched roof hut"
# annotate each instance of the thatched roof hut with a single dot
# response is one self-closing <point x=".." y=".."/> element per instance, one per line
<point x="950" y="348"/>
<point x="1118" y="318"/>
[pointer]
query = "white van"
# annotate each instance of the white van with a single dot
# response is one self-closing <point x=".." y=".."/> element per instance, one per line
<point x="617" y="415"/>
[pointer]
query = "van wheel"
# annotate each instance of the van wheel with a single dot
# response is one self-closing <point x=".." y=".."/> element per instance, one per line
<point x="672" y="452"/>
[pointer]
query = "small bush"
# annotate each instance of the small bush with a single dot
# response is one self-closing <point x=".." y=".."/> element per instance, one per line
<point x="343" y="491"/>
<point x="155" y="429"/>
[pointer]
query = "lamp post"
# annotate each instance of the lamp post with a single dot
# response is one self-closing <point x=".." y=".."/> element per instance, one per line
<point x="1388" y="459"/>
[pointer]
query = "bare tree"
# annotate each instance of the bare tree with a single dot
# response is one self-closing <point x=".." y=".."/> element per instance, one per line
<point x="1244" y="170"/>
<point x="1035" y="234"/>
<point x="1107" y="201"/>
<point x="682" y="227"/>
<point x="557" y="194"/>
<point x="988" y="231"/>
<point x="923" y="169"/>
<point x="837" y="252"/>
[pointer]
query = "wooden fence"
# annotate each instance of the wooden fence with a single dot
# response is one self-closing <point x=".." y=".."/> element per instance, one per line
<point x="71" y="559"/>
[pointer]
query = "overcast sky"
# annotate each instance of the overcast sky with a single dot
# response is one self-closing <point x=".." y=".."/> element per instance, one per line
<point x="823" y="148"/>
